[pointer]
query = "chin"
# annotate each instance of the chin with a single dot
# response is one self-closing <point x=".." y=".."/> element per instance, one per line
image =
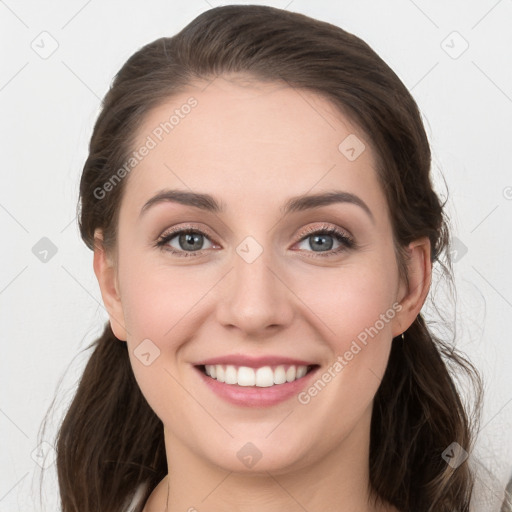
<point x="259" y="456"/>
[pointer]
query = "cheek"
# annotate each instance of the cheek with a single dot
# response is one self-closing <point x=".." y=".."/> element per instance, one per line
<point x="354" y="307"/>
<point x="343" y="302"/>
<point x="349" y="300"/>
<point x="358" y="310"/>
<point x="161" y="308"/>
<point x="156" y="297"/>
<point x="157" y="307"/>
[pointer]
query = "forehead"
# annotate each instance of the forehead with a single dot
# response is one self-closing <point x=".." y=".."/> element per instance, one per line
<point x="265" y="140"/>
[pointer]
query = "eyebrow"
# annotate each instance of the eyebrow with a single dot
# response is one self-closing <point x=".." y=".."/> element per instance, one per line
<point x="208" y="203"/>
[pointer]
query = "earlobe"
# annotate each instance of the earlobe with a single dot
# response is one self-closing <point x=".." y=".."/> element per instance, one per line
<point x="105" y="271"/>
<point x="419" y="268"/>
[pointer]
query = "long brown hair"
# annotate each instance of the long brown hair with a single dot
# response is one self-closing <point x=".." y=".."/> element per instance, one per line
<point x="111" y="442"/>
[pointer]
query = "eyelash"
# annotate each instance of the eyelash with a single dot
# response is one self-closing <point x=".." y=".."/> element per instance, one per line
<point x="346" y="241"/>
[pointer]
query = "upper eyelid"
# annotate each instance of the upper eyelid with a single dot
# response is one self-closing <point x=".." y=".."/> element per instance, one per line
<point x="306" y="232"/>
<point x="178" y="230"/>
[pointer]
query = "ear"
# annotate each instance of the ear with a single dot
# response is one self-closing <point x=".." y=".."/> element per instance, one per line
<point x="106" y="274"/>
<point x="419" y="268"/>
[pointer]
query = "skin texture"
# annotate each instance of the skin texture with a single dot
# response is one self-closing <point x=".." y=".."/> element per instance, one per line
<point x="253" y="145"/>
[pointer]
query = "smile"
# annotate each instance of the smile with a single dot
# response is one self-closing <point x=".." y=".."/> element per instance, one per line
<point x="262" y="377"/>
<point x="260" y="385"/>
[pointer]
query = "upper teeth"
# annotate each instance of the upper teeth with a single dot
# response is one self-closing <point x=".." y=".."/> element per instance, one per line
<point x="261" y="377"/>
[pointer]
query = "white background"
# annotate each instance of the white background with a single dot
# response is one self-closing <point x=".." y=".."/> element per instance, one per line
<point x="49" y="311"/>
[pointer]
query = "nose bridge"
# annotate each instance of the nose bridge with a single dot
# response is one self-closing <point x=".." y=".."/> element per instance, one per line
<point x="255" y="298"/>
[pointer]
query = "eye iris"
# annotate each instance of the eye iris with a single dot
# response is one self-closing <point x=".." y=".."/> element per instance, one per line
<point x="189" y="238"/>
<point x="317" y="239"/>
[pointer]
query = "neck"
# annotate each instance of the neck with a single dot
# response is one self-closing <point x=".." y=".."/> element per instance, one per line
<point x="337" y="480"/>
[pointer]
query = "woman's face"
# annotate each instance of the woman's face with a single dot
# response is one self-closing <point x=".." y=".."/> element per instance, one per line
<point x="253" y="287"/>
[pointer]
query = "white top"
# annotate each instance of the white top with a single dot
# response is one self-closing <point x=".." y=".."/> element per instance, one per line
<point x="137" y="499"/>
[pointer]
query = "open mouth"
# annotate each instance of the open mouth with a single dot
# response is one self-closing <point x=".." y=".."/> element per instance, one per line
<point x="263" y="377"/>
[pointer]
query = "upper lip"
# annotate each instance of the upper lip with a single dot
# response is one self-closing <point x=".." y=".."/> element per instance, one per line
<point x="254" y="362"/>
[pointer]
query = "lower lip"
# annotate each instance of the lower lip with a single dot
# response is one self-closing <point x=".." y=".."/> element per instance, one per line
<point x="252" y="396"/>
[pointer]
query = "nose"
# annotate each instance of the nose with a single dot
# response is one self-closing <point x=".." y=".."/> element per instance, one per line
<point x="255" y="297"/>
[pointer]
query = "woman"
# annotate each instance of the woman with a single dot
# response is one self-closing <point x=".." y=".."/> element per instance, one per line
<point x="258" y="199"/>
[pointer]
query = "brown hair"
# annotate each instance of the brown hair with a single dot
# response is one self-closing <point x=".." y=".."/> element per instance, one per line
<point x="111" y="442"/>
